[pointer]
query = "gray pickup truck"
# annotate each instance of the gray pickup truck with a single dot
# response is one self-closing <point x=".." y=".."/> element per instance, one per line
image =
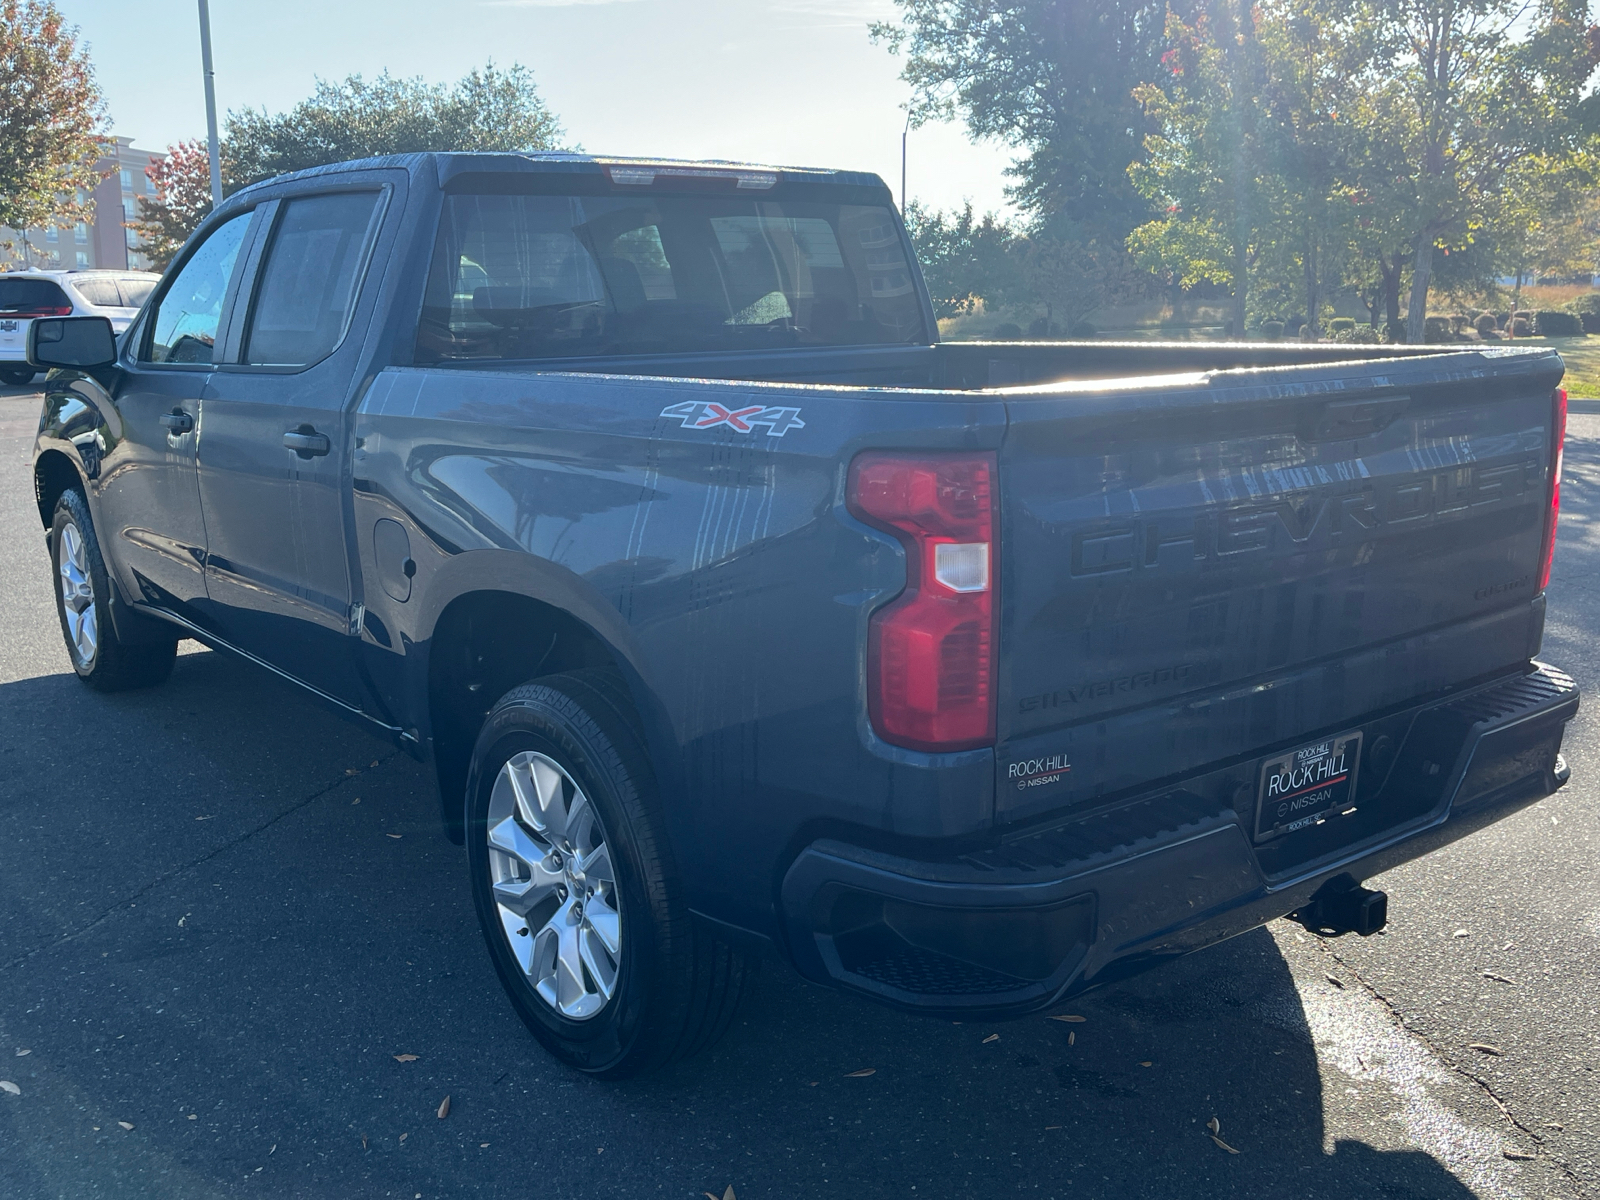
<point x="740" y="616"/>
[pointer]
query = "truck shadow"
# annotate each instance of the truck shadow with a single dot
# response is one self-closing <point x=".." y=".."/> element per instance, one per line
<point x="199" y="918"/>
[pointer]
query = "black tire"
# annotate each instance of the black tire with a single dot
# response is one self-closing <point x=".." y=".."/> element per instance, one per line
<point x="102" y="661"/>
<point x="676" y="987"/>
<point x="17" y="378"/>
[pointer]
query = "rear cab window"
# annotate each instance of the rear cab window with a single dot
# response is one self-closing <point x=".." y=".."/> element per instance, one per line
<point x="100" y="291"/>
<point x="542" y="276"/>
<point x="33" y="298"/>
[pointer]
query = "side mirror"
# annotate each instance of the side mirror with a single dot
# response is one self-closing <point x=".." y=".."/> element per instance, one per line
<point x="71" y="342"/>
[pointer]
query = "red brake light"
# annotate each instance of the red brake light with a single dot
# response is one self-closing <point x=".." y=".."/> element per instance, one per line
<point x="930" y="654"/>
<point x="28" y="314"/>
<point x="1558" y="434"/>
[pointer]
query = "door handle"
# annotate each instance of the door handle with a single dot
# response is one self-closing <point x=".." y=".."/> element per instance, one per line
<point x="307" y="442"/>
<point x="177" y="422"/>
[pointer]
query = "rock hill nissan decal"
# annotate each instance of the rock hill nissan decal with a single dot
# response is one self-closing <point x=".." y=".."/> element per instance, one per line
<point x="697" y="414"/>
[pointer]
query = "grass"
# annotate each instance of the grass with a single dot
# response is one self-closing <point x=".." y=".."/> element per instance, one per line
<point x="1582" y="356"/>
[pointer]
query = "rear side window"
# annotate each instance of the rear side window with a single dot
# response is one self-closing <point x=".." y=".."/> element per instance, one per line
<point x="101" y="292"/>
<point x="310" y="277"/>
<point x="136" y="291"/>
<point x="36" y="297"/>
<point x="184" y="329"/>
<point x="541" y="276"/>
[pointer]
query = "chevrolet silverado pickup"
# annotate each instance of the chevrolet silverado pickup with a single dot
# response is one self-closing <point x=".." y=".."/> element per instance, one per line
<point x="738" y="615"/>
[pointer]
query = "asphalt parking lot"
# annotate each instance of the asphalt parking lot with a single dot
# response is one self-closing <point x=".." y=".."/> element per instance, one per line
<point x="225" y="914"/>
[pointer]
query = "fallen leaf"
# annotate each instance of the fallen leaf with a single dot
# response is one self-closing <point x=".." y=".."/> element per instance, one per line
<point x="405" y="1058"/>
<point x="357" y="800"/>
<point x="861" y="1074"/>
<point x="352" y="770"/>
<point x="10" y="1088"/>
<point x="363" y="1141"/>
<point x="126" y="1124"/>
<point x="182" y="919"/>
<point x="1517" y="1155"/>
<point x="273" y="1151"/>
<point x="814" y="1082"/>
<point x="194" y="1116"/>
<point x="1486" y="1048"/>
<point x="993" y="1037"/>
<point x="395" y="836"/>
<point x="1499" y="978"/>
<point x="1214" y="1125"/>
<point x="1223" y="1144"/>
<point x="1072" y="1018"/>
<point x="202" y="818"/>
<point x="1335" y="980"/>
<point x="404" y="1136"/>
<point x="1557" y="1125"/>
<point x="374" y="762"/>
<point x="1460" y="933"/>
<point x="483" y="1145"/>
<point x="1072" y="1038"/>
<point x="20" y="1053"/>
<point x="444" y="1108"/>
<point x="1050" y="1127"/>
<point x="1147" y="1063"/>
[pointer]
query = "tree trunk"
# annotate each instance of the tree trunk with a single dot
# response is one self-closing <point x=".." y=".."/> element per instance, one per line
<point x="1313" y="328"/>
<point x="1241" y="275"/>
<point x="1391" y="269"/>
<point x="1421" y="274"/>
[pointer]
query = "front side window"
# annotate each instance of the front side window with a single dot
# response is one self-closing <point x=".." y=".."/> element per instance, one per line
<point x="310" y="278"/>
<point x="184" y="329"/>
<point x="517" y="276"/>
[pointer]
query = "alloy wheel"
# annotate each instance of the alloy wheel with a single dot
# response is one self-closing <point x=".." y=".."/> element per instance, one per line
<point x="77" y="594"/>
<point x="554" y="885"/>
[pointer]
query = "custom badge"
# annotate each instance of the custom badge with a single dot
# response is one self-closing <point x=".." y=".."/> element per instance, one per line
<point x="701" y="414"/>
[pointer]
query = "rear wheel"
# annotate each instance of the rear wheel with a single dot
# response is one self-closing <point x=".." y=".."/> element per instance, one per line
<point x="83" y="595"/>
<point x="17" y="378"/>
<point x="578" y="901"/>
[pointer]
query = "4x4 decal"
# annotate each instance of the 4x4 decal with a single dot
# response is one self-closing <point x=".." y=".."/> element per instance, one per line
<point x="699" y="414"/>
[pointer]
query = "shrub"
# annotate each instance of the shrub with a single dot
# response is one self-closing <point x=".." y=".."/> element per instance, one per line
<point x="1520" y="326"/>
<point x="1360" y="335"/>
<point x="1459" y="322"/>
<point x="1082" y="331"/>
<point x="1341" y="325"/>
<point x="1394" y="332"/>
<point x="1294" y="325"/>
<point x="1437" y="329"/>
<point x="1554" y="323"/>
<point x="1588" y="302"/>
<point x="1041" y="328"/>
<point x="1008" y="332"/>
<point x="1502" y="319"/>
<point x="1272" y="330"/>
<point x="1486" y="324"/>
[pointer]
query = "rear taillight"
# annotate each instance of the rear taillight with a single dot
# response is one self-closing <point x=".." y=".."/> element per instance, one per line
<point x="1558" y="434"/>
<point x="29" y="314"/>
<point x="930" y="654"/>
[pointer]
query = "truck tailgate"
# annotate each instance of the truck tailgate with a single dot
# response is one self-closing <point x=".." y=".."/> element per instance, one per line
<point x="1197" y="568"/>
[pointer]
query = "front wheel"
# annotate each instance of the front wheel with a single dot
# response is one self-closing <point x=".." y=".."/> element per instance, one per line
<point x="17" y="377"/>
<point x="83" y="596"/>
<point x="578" y="901"/>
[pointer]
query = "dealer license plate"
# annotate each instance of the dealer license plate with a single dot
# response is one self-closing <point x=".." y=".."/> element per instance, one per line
<point x="1302" y="786"/>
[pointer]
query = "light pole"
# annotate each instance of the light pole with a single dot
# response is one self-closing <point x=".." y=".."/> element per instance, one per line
<point x="211" y="105"/>
<point x="904" y="134"/>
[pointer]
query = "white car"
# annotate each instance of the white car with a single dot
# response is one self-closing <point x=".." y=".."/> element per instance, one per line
<point x="25" y="295"/>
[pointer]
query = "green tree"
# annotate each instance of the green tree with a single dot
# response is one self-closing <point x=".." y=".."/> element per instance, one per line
<point x="1476" y="98"/>
<point x="489" y="109"/>
<point x="51" y="117"/>
<point x="486" y="110"/>
<point x="1203" y="167"/>
<point x="1053" y="78"/>
<point x="965" y="260"/>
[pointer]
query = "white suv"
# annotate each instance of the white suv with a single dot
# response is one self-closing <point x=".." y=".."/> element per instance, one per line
<point x="28" y="294"/>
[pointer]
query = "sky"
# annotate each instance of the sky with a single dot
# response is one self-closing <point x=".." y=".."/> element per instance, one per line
<point x="779" y="81"/>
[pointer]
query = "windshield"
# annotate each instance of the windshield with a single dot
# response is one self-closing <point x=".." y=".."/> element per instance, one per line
<point x="551" y="276"/>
